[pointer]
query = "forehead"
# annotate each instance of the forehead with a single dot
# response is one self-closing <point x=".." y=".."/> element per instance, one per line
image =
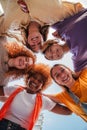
<point x="37" y="75"/>
<point x="57" y="68"/>
<point x="22" y="56"/>
<point x="50" y="48"/>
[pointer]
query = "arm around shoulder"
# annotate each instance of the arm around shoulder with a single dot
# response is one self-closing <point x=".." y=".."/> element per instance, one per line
<point x="60" y="109"/>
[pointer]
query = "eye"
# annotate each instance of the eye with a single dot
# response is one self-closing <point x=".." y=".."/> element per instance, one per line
<point x="26" y="60"/>
<point x="39" y="44"/>
<point x="50" y="50"/>
<point x="37" y="37"/>
<point x="40" y="81"/>
<point x="57" y="50"/>
<point x="57" y="75"/>
<point x="62" y="70"/>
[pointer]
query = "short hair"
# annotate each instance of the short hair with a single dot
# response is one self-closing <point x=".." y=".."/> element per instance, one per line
<point x="15" y="49"/>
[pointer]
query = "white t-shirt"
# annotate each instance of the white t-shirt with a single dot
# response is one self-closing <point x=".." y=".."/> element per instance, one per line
<point x="22" y="106"/>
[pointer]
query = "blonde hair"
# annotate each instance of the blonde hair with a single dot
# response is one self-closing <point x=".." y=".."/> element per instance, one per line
<point x="47" y="44"/>
<point x="43" y="70"/>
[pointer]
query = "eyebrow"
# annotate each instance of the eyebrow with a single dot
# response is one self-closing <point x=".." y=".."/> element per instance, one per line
<point x="55" y="74"/>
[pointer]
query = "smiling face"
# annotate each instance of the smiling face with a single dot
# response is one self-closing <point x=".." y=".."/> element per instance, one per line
<point x="62" y="75"/>
<point x="54" y="52"/>
<point x="22" y="62"/>
<point x="35" y="83"/>
<point x="35" y="41"/>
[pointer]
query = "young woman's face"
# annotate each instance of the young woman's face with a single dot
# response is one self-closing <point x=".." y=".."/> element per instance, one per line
<point x="22" y="62"/>
<point x="54" y="52"/>
<point x="35" y="83"/>
<point x="62" y="75"/>
<point x="35" y="41"/>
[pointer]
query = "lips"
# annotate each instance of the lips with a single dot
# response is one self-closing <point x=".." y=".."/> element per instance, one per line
<point x="32" y="85"/>
<point x="34" y="38"/>
<point x="66" y="79"/>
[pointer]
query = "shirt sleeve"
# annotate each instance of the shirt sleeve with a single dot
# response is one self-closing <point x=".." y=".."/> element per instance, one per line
<point x="8" y="90"/>
<point x="48" y="104"/>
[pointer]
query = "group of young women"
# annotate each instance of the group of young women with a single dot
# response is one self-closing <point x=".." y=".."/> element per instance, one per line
<point x="24" y="31"/>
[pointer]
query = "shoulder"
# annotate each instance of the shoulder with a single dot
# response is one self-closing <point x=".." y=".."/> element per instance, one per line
<point x="47" y="103"/>
<point x="83" y="73"/>
<point x="9" y="89"/>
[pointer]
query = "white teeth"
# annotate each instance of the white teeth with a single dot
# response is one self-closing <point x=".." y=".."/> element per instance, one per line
<point x="66" y="79"/>
<point x="33" y="38"/>
<point x="33" y="84"/>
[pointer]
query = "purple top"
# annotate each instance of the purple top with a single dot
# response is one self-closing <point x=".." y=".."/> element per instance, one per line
<point x="74" y="31"/>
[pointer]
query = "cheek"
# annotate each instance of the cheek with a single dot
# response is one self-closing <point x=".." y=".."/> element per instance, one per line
<point x="40" y="87"/>
<point x="29" y="40"/>
<point x="40" y="39"/>
<point x="58" y="80"/>
<point x="47" y="55"/>
<point x="22" y="67"/>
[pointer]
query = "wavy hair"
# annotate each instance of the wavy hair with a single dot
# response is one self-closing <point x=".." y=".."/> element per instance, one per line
<point x="43" y="70"/>
<point x="15" y="49"/>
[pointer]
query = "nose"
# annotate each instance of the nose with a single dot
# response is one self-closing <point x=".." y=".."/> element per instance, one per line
<point x="62" y="75"/>
<point x="34" y="40"/>
<point x="35" y="81"/>
<point x="54" y="53"/>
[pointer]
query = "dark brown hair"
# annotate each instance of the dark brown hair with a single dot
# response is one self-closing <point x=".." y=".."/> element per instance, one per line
<point x="73" y="75"/>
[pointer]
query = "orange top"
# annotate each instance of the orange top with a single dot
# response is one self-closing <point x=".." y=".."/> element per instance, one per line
<point x="65" y="98"/>
<point x="80" y="86"/>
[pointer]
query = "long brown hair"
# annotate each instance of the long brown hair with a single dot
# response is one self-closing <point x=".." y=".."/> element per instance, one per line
<point x="63" y="86"/>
